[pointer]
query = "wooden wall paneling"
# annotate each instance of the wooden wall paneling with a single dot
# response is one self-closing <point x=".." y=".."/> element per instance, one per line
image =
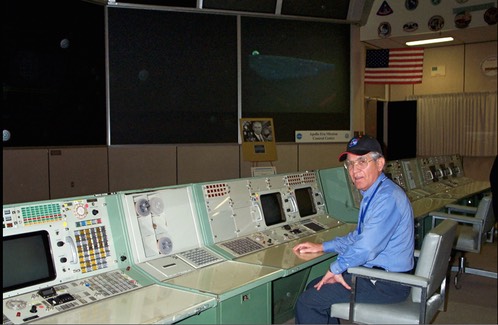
<point x="136" y="167"/>
<point x="202" y="163"/>
<point x="25" y="175"/>
<point x="320" y="156"/>
<point x="78" y="171"/>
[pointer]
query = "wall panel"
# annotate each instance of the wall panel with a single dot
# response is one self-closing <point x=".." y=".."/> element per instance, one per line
<point x="202" y="163"/>
<point x="78" y="171"/>
<point x="25" y="175"/>
<point x="320" y="156"/>
<point x="134" y="167"/>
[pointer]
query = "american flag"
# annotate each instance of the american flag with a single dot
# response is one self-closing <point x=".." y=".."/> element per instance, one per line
<point x="394" y="66"/>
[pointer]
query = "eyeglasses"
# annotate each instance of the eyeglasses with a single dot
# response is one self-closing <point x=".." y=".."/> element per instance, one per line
<point x="360" y="163"/>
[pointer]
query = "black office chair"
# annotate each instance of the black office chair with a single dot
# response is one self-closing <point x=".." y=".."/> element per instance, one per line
<point x="428" y="285"/>
<point x="476" y="226"/>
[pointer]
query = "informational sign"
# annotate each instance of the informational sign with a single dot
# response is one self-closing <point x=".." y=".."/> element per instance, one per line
<point x="263" y="171"/>
<point x="320" y="136"/>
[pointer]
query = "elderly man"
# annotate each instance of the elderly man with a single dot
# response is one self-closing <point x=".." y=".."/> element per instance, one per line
<point x="384" y="239"/>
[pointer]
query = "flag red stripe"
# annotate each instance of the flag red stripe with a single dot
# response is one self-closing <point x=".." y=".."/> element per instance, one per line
<point x="421" y="60"/>
<point x="396" y="82"/>
<point x="396" y="68"/>
<point x="390" y="72"/>
<point x="392" y="77"/>
<point x="405" y="75"/>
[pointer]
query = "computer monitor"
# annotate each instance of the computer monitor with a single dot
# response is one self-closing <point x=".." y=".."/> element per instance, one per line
<point x="305" y="202"/>
<point x="433" y="174"/>
<point x="437" y="172"/>
<point x="446" y="171"/>
<point x="455" y="170"/>
<point x="273" y="211"/>
<point x="27" y="260"/>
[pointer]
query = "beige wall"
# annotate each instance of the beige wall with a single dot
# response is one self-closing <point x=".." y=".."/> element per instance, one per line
<point x="132" y="167"/>
<point x="462" y="66"/>
<point x="42" y="174"/>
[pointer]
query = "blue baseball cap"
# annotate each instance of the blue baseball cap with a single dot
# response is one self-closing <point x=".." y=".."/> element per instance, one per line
<point x="361" y="146"/>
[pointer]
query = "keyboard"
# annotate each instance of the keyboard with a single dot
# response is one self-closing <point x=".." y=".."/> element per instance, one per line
<point x="242" y="246"/>
<point x="199" y="257"/>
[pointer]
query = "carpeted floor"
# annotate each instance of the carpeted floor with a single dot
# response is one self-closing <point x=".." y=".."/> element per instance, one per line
<point x="476" y="301"/>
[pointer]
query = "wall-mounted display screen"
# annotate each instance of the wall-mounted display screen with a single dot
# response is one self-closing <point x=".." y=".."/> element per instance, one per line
<point x="173" y="77"/>
<point x="27" y="260"/>
<point x="305" y="202"/>
<point x="273" y="211"/>
<point x="53" y="73"/>
<point x="297" y="72"/>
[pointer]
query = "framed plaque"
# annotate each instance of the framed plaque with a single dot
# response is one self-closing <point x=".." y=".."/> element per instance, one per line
<point x="258" y="139"/>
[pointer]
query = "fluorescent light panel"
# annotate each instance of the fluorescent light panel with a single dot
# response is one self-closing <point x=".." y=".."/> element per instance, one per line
<point x="430" y="41"/>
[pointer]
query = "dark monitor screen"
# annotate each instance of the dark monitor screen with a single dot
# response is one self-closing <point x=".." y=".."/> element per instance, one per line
<point x="454" y="170"/>
<point x="273" y="212"/>
<point x="27" y="260"/>
<point x="304" y="200"/>
<point x="300" y="87"/>
<point x="432" y="172"/>
<point x="446" y="171"/>
<point x="438" y="173"/>
<point x="53" y="67"/>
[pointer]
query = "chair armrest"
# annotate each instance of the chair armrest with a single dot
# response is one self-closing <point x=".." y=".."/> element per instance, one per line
<point x="455" y="217"/>
<point x="460" y="208"/>
<point x="401" y="278"/>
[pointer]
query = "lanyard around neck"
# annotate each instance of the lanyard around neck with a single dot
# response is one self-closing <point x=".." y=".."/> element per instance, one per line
<point x="364" y="211"/>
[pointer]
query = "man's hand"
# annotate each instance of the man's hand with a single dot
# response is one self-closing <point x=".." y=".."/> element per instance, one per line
<point x="330" y="278"/>
<point x="308" y="247"/>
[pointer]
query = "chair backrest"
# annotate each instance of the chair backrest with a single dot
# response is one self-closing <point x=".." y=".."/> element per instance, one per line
<point x="434" y="258"/>
<point x="485" y="212"/>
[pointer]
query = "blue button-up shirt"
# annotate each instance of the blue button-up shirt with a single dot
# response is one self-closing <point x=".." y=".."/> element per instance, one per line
<point x="387" y="236"/>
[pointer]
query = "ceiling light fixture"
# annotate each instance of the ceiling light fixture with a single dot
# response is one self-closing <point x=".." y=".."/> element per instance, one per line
<point x="430" y="41"/>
